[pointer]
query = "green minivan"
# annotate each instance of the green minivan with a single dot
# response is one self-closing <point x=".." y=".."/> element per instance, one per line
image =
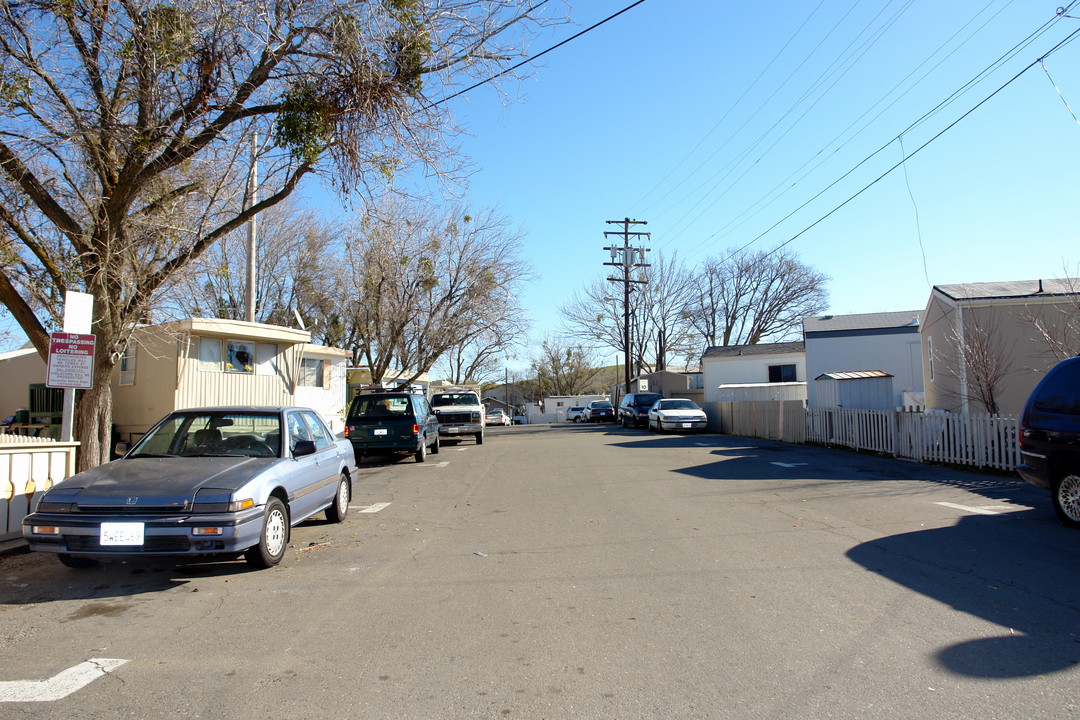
<point x="392" y="422"/>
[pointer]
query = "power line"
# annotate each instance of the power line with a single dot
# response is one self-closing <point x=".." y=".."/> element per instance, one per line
<point x="1072" y="36"/>
<point x="952" y="97"/>
<point x="536" y="57"/>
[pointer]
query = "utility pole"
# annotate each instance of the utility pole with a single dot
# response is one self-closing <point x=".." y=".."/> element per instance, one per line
<point x="251" y="198"/>
<point x="628" y="258"/>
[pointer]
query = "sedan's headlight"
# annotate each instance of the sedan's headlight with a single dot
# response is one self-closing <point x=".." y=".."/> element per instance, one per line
<point x="219" y="500"/>
<point x="45" y="506"/>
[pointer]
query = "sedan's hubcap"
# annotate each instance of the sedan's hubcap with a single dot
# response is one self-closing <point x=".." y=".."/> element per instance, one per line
<point x="342" y="496"/>
<point x="275" y="533"/>
<point x="1069" y="496"/>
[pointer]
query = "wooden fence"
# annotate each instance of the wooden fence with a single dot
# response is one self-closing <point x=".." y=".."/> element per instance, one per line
<point x="963" y="439"/>
<point x="28" y="467"/>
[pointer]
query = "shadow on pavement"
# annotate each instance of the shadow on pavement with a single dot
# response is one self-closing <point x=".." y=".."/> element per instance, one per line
<point x="1021" y="575"/>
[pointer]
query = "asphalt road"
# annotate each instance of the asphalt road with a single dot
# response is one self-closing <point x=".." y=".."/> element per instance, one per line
<point x="587" y="572"/>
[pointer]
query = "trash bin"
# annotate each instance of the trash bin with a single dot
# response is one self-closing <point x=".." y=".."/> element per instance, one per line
<point x="22" y="416"/>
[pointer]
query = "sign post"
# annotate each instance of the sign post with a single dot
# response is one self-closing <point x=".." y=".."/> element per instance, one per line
<point x="73" y="358"/>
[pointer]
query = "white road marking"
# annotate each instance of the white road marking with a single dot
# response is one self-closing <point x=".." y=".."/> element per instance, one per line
<point x="373" y="508"/>
<point x="439" y="464"/>
<point x="788" y="465"/>
<point x="981" y="510"/>
<point x="59" y="686"/>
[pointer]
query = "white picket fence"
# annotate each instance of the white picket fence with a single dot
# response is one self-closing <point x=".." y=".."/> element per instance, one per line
<point x="963" y="439"/>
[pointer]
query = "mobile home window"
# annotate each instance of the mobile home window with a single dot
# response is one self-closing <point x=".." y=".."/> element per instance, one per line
<point x="210" y="354"/>
<point x="240" y="357"/>
<point x="311" y="372"/>
<point x="127" y="366"/>
<point x="266" y="359"/>
<point x="782" y="373"/>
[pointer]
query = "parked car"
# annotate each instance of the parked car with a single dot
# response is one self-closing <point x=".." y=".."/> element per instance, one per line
<point x="634" y="408"/>
<point x="1050" y="439"/>
<point x="676" y="414"/>
<point x="498" y="417"/>
<point x="392" y="422"/>
<point x="598" y="411"/>
<point x="574" y="414"/>
<point x="207" y="481"/>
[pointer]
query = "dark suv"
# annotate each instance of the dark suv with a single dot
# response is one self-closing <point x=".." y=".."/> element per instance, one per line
<point x="1050" y="439"/>
<point x="634" y="408"/>
<point x="392" y="422"/>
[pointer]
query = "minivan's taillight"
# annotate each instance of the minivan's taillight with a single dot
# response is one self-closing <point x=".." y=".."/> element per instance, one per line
<point x="415" y="429"/>
<point x="346" y="431"/>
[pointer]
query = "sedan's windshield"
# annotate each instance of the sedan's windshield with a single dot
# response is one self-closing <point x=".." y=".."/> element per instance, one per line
<point x="601" y="405"/>
<point x="212" y="434"/>
<point x="678" y="405"/>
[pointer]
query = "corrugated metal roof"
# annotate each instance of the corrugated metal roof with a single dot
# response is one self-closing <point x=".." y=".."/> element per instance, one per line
<point x="862" y="321"/>
<point x="1011" y="289"/>
<point x="781" y="348"/>
<point x="854" y="375"/>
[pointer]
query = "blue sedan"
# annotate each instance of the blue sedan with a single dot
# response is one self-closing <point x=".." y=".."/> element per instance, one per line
<point x="208" y="481"/>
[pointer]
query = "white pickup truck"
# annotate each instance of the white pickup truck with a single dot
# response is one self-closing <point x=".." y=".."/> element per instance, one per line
<point x="459" y="413"/>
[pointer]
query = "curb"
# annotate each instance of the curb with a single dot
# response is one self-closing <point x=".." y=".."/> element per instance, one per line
<point x="18" y="546"/>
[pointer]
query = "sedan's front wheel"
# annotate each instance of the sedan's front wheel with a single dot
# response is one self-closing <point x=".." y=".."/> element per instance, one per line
<point x="340" y="507"/>
<point x="274" y="538"/>
<point x="1066" y="496"/>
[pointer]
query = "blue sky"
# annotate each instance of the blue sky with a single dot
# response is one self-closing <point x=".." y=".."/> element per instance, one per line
<point x="716" y="122"/>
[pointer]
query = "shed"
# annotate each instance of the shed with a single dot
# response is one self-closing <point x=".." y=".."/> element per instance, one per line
<point x="761" y="392"/>
<point x="862" y="389"/>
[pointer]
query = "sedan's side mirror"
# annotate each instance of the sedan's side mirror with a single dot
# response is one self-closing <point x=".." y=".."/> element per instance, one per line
<point x="303" y="447"/>
<point x="121" y="448"/>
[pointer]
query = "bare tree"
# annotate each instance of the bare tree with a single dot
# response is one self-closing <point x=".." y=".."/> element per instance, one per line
<point x="477" y="360"/>
<point x="1058" y="324"/>
<point x="563" y="370"/>
<point x="295" y="255"/>
<point x="424" y="281"/>
<point x="126" y="128"/>
<point x="981" y="363"/>
<point x="748" y="297"/>
<point x="659" y="322"/>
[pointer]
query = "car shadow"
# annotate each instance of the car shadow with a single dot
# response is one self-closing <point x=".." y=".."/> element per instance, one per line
<point x="1020" y="572"/>
<point x="38" y="577"/>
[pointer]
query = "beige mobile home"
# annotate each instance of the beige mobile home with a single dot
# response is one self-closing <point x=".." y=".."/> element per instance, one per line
<point x="984" y="340"/>
<point x="197" y="362"/>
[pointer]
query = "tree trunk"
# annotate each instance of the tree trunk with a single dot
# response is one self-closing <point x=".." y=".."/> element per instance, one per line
<point x="93" y="417"/>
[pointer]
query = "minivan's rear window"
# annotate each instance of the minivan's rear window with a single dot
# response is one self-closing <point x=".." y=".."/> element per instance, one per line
<point x="380" y="406"/>
<point x="1061" y="392"/>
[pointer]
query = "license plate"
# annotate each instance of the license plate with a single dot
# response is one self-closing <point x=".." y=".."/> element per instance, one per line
<point x="121" y="533"/>
<point x="686" y="425"/>
<point x="381" y="431"/>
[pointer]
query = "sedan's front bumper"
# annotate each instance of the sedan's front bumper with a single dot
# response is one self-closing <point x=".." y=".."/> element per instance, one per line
<point x="683" y="424"/>
<point x="80" y="534"/>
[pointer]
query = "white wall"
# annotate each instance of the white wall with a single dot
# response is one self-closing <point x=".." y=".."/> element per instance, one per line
<point x="900" y="355"/>
<point x="329" y="401"/>
<point x="747" y="369"/>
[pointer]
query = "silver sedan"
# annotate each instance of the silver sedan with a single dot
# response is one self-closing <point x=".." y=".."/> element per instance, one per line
<point x="211" y="481"/>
